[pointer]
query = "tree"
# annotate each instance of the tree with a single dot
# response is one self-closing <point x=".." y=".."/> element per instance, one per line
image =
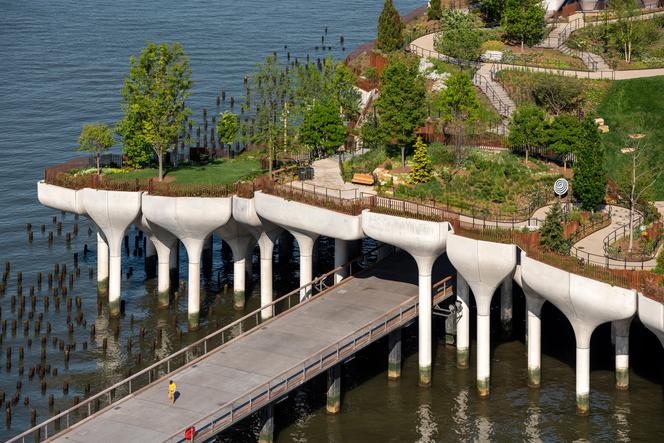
<point x="626" y="13"/>
<point x="564" y="135"/>
<point x="526" y="129"/>
<point x="589" y="181"/>
<point x="458" y="105"/>
<point x="96" y="138"/>
<point x="154" y="96"/>
<point x="434" y="10"/>
<point x="401" y="102"/>
<point x="322" y="127"/>
<point x="523" y="21"/>
<point x="557" y="94"/>
<point x="389" y="37"/>
<point x="228" y="127"/>
<point x="638" y="177"/>
<point x="371" y="133"/>
<point x="552" y="230"/>
<point x="492" y="10"/>
<point x="422" y="166"/>
<point x="459" y="36"/>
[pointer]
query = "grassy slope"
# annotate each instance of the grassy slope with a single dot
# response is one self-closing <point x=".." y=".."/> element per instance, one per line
<point x="217" y="172"/>
<point x="629" y="106"/>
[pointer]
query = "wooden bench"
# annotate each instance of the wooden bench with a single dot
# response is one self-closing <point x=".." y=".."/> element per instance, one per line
<point x="363" y="179"/>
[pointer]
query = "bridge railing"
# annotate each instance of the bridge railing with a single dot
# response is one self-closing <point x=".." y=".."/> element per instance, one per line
<point x="178" y="359"/>
<point x="253" y="400"/>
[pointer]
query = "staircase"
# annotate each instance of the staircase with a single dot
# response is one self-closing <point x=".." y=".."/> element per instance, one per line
<point x="494" y="91"/>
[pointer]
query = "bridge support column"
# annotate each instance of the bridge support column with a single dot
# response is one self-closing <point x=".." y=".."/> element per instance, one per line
<point x="424" y="267"/>
<point x="506" y="306"/>
<point x="194" y="292"/>
<point x="102" y="263"/>
<point x="394" y="359"/>
<point x="333" y="405"/>
<point x="463" y="323"/>
<point x="621" y="330"/>
<point x="114" y="280"/>
<point x="266" y="242"/>
<point x="534" y="338"/>
<point x="151" y="260"/>
<point x="582" y="380"/>
<point x="340" y="259"/>
<point x="266" y="434"/>
<point x="239" y="270"/>
<point x="306" y="244"/>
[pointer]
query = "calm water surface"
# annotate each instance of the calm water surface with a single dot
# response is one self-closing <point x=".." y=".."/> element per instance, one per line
<point x="61" y="65"/>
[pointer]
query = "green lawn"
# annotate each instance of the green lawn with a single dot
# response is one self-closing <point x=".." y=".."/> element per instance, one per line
<point x="216" y="172"/>
<point x="634" y="106"/>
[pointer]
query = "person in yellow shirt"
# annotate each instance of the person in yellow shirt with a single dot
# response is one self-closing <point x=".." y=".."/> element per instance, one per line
<point x="171" y="391"/>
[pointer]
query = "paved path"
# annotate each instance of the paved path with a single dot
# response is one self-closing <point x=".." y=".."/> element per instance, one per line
<point x="257" y="357"/>
<point x="327" y="178"/>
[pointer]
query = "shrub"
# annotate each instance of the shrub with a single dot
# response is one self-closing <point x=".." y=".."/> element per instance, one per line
<point x="422" y="167"/>
<point x="493" y="45"/>
<point x="557" y="94"/>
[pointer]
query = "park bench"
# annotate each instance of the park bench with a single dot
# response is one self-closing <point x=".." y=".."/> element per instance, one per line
<point x="363" y="179"/>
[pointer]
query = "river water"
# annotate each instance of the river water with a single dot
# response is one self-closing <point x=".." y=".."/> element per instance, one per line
<point x="62" y="64"/>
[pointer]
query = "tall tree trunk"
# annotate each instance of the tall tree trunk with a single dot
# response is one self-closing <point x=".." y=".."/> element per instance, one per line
<point x="98" y="161"/>
<point x="527" y="155"/>
<point x="160" y="156"/>
<point x="521" y="45"/>
<point x="403" y="156"/>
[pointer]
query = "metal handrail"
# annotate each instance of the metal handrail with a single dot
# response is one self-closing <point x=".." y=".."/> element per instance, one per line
<point x="108" y="393"/>
<point x="310" y="366"/>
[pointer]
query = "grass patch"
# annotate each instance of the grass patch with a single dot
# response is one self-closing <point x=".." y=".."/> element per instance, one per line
<point x="543" y="58"/>
<point x="519" y="86"/>
<point x="215" y="172"/>
<point x="628" y="106"/>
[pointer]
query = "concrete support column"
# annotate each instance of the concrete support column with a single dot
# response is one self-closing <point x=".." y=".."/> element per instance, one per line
<point x="424" y="265"/>
<point x="194" y="294"/>
<point x="163" y="280"/>
<point x="340" y="259"/>
<point x="463" y="322"/>
<point x="114" y="282"/>
<point x="102" y="262"/>
<point x="266" y="245"/>
<point x="621" y="330"/>
<point x="534" y="338"/>
<point x="582" y="380"/>
<point x="483" y="354"/>
<point x="239" y="282"/>
<point x="306" y="244"/>
<point x="506" y="306"/>
<point x="394" y="359"/>
<point x="333" y="405"/>
<point x="266" y="434"/>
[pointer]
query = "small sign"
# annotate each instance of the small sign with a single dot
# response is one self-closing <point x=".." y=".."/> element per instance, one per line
<point x="560" y="187"/>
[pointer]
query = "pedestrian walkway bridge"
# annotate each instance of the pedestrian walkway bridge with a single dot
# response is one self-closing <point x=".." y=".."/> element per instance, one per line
<point x="257" y="366"/>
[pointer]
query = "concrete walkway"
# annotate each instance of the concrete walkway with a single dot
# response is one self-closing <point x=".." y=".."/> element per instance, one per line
<point x="261" y="355"/>
<point x="327" y="178"/>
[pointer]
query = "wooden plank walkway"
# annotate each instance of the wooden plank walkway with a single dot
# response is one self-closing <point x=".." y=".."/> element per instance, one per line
<point x="266" y="362"/>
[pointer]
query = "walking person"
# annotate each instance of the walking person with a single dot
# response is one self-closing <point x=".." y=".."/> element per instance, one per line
<point x="171" y="391"/>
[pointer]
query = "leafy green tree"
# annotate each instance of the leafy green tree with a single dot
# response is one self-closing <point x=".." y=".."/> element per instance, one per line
<point x="228" y="127"/>
<point x="564" y="135"/>
<point x="527" y="128"/>
<point x="458" y="106"/>
<point x="390" y="29"/>
<point x="154" y="96"/>
<point x="422" y="166"/>
<point x="371" y="133"/>
<point x="322" y="127"/>
<point x="557" y="94"/>
<point x="459" y="36"/>
<point x="590" y="178"/>
<point x="96" y="138"/>
<point x="434" y="10"/>
<point x="626" y="13"/>
<point x="523" y="21"/>
<point x="401" y="102"/>
<point x="492" y="9"/>
<point x="552" y="231"/>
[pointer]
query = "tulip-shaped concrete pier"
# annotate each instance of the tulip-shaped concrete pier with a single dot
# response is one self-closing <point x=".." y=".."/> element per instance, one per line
<point x="102" y="262"/>
<point x="534" y="305"/>
<point x="463" y="322"/>
<point x="586" y="303"/>
<point x="164" y="244"/>
<point x="484" y="265"/>
<point x="113" y="212"/>
<point x="620" y="332"/>
<point x="241" y="241"/>
<point x="191" y="220"/>
<point x="424" y="241"/>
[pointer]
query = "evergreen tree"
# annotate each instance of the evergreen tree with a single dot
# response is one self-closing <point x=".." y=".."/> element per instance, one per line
<point x="589" y="181"/>
<point x="551" y="232"/>
<point x="390" y="29"/>
<point x="523" y="21"/>
<point x="401" y="102"/>
<point x="422" y="166"/>
<point x="434" y="11"/>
